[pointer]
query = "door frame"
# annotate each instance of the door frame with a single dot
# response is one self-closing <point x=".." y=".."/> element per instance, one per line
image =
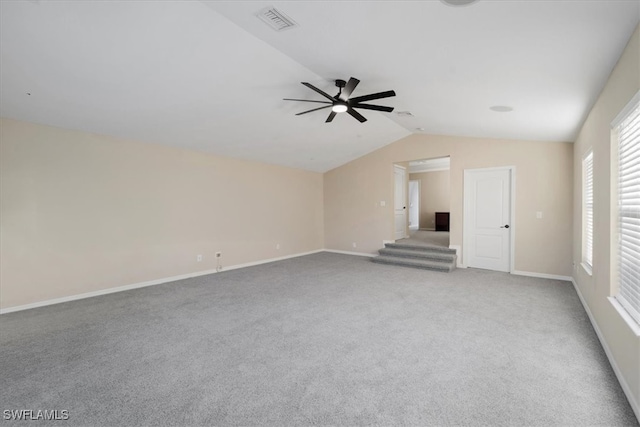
<point x="466" y="217"/>
<point x="405" y="185"/>
<point x="409" y="197"/>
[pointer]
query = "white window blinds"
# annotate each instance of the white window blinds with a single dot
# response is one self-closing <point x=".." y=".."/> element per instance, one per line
<point x="628" y="136"/>
<point x="587" y="223"/>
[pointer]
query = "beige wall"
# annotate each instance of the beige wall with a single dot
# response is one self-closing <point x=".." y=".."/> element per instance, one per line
<point x="434" y="195"/>
<point x="82" y="212"/>
<point x="623" y="343"/>
<point x="544" y="175"/>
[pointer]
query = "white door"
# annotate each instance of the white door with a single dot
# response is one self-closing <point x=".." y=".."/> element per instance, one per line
<point x="487" y="218"/>
<point x="414" y="205"/>
<point x="400" y="197"/>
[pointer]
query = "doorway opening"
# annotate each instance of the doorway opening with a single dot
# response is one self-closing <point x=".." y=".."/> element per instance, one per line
<point x="426" y="202"/>
<point x="400" y="201"/>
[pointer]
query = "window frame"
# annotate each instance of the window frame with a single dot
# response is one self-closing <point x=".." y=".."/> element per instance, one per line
<point x="631" y="312"/>
<point x="587" y="211"/>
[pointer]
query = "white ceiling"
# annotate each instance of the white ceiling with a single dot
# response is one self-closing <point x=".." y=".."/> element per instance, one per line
<point x="211" y="76"/>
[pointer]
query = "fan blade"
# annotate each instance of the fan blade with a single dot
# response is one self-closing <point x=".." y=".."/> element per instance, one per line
<point x="315" y="109"/>
<point x="312" y="87"/>
<point x="331" y="116"/>
<point x="373" y="107"/>
<point x="356" y="115"/>
<point x="348" y="89"/>
<point x="306" y="100"/>
<point x="378" y="95"/>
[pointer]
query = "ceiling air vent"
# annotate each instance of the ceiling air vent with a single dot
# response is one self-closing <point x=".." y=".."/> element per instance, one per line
<point x="276" y="19"/>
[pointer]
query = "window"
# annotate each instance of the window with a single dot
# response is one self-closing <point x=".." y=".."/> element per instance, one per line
<point x="626" y="131"/>
<point x="587" y="212"/>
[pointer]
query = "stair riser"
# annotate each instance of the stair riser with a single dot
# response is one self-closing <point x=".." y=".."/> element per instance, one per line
<point x="420" y="248"/>
<point x="444" y="269"/>
<point x="416" y="262"/>
<point x="420" y="255"/>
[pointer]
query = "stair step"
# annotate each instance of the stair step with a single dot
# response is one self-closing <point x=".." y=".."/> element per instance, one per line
<point x="411" y="247"/>
<point x="415" y="262"/>
<point x="422" y="254"/>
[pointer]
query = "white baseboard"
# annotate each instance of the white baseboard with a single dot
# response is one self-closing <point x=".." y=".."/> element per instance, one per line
<point x="147" y="283"/>
<point x="349" y="253"/>
<point x="266" y="261"/>
<point x="635" y="405"/>
<point x="542" y="275"/>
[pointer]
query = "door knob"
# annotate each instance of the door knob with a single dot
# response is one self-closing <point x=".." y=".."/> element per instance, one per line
<point x="505" y="226"/>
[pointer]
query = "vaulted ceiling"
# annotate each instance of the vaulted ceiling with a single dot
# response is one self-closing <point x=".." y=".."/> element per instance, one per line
<point x="211" y="76"/>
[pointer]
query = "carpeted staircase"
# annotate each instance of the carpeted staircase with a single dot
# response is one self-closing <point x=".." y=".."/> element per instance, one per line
<point x="419" y="256"/>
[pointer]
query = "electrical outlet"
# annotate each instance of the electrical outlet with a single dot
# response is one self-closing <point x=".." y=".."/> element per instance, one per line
<point x="354" y="245"/>
<point x="278" y="246"/>
<point x="199" y="258"/>
<point x="218" y="254"/>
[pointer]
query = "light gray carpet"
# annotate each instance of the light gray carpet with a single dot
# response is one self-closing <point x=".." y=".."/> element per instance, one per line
<point x="426" y="237"/>
<point x="324" y="339"/>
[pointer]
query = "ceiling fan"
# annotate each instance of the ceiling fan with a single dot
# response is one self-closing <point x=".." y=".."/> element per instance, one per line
<point x="342" y="103"/>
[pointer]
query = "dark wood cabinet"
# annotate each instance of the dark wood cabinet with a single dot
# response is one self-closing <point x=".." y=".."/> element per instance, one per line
<point x="442" y="221"/>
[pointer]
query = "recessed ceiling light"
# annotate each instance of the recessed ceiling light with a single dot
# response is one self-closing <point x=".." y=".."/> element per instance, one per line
<point x="458" y="2"/>
<point x="501" y="108"/>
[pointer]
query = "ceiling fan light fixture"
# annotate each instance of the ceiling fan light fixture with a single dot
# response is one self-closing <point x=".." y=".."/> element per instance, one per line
<point x="344" y="103"/>
<point x="339" y="107"/>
